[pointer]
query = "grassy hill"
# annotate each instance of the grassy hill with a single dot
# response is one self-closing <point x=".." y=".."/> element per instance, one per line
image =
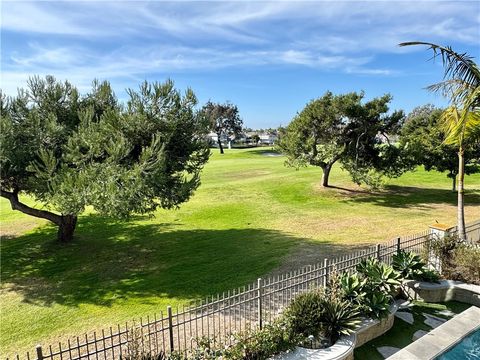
<point x="251" y="216"/>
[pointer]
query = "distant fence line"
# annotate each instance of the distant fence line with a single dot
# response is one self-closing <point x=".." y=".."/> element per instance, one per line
<point x="218" y="317"/>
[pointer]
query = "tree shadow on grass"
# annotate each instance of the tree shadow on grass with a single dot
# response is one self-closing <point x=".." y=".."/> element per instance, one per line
<point x="415" y="197"/>
<point x="113" y="261"/>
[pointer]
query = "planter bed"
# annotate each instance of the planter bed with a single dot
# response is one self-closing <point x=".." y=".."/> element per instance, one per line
<point x="444" y="291"/>
<point x="343" y="349"/>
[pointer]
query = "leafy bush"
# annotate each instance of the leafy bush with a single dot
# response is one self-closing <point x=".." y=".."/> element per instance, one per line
<point x="466" y="262"/>
<point x="304" y="315"/>
<point x="444" y="248"/>
<point x="262" y="344"/>
<point x="428" y="275"/>
<point x="459" y="260"/>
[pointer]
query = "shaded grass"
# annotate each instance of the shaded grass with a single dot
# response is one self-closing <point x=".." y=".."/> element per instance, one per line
<point x="249" y="217"/>
<point x="401" y="333"/>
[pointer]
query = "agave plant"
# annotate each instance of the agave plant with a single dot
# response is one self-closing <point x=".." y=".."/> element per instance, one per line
<point x="353" y="287"/>
<point x="376" y="304"/>
<point x="379" y="276"/>
<point x="339" y="318"/>
<point x="408" y="264"/>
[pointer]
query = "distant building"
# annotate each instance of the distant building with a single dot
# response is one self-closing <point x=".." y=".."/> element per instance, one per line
<point x="268" y="139"/>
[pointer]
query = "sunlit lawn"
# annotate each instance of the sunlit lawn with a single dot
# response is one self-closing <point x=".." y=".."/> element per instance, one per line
<point x="249" y="215"/>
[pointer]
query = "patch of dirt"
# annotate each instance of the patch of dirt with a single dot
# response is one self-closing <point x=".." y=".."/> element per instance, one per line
<point x="10" y="230"/>
<point x="339" y="191"/>
<point x="245" y="174"/>
<point x="314" y="253"/>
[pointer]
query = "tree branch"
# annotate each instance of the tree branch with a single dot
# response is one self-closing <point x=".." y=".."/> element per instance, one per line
<point x="17" y="205"/>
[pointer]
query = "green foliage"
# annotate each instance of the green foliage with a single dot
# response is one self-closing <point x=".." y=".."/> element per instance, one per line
<point x="459" y="260"/>
<point x="222" y="119"/>
<point x="407" y="263"/>
<point x="444" y="248"/>
<point x="379" y="276"/>
<point x="467" y="264"/>
<point x="341" y="128"/>
<point x="353" y="287"/>
<point x="339" y="317"/>
<point x="80" y="151"/>
<point x="262" y="344"/>
<point x="304" y="314"/>
<point x="423" y="139"/>
<point x="376" y="304"/>
<point x="411" y="266"/>
<point x="428" y="275"/>
<point x="323" y="313"/>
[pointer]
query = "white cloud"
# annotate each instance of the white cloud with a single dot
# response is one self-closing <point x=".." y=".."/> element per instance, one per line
<point x="129" y="39"/>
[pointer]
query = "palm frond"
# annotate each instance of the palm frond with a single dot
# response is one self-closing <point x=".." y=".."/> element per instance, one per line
<point x="455" y="89"/>
<point x="459" y="66"/>
<point x="460" y="125"/>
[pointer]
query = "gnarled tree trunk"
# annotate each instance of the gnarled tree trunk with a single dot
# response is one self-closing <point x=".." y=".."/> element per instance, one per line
<point x="66" y="227"/>
<point x="66" y="223"/>
<point x="326" y="174"/>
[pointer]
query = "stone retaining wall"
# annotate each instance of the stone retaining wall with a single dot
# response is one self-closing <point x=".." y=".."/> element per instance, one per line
<point x="444" y="291"/>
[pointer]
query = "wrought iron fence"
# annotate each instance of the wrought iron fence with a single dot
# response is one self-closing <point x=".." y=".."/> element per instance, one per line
<point x="216" y="318"/>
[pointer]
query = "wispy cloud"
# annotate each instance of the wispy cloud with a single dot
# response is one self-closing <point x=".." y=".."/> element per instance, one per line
<point x="131" y="39"/>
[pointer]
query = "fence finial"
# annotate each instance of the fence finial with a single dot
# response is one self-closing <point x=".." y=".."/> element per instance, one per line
<point x="39" y="352"/>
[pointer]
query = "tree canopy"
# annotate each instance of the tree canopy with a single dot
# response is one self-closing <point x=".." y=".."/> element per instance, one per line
<point x="423" y="138"/>
<point x="223" y="119"/>
<point x="70" y="151"/>
<point x="343" y="128"/>
<point x="461" y="120"/>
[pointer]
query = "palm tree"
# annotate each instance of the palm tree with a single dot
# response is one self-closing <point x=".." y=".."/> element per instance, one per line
<point x="461" y="83"/>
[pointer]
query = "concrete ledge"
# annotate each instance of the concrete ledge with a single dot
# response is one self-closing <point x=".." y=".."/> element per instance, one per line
<point x="341" y="350"/>
<point x="371" y="329"/>
<point x="444" y="291"/>
<point x="442" y="338"/>
<point x="368" y="330"/>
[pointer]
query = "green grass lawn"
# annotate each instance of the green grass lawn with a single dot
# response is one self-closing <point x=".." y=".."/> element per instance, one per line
<point x="250" y="215"/>
<point x="401" y="333"/>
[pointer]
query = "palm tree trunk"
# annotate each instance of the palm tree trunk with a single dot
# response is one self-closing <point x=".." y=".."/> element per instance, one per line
<point x="460" y="205"/>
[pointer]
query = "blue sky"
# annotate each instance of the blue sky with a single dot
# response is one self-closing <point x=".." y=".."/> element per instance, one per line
<point x="269" y="58"/>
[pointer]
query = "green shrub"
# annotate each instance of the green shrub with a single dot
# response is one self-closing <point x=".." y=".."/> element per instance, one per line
<point x="428" y="275"/>
<point x="444" y="248"/>
<point x="262" y="344"/>
<point x="466" y="262"/>
<point x="304" y="314"/>
<point x="339" y="317"/>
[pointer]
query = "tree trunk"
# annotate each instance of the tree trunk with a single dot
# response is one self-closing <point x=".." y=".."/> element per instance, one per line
<point x="460" y="206"/>
<point x="326" y="173"/>
<point x="66" y="228"/>
<point x="66" y="223"/>
<point x="220" y="144"/>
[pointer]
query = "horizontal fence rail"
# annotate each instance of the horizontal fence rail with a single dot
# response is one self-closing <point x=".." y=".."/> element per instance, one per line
<point x="217" y="319"/>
